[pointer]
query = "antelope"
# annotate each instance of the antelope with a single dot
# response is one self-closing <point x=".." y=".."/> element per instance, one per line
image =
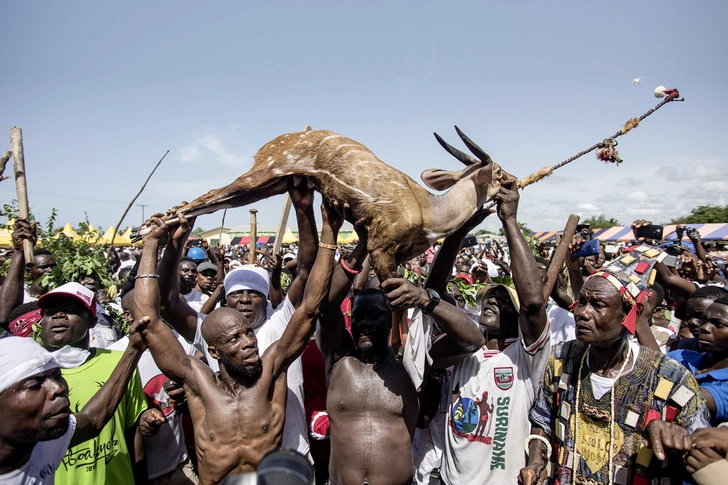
<point x="403" y="219"/>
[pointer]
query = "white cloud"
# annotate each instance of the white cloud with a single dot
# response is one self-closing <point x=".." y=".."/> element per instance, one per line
<point x="638" y="196"/>
<point x="189" y="153"/>
<point x="588" y="207"/>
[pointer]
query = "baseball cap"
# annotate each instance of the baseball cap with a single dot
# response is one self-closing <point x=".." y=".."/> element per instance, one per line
<point x="247" y="277"/>
<point x="206" y="266"/>
<point x="70" y="290"/>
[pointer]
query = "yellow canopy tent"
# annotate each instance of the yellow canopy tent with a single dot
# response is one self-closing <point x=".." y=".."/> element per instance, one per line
<point x="68" y="230"/>
<point x="123" y="239"/>
<point x="106" y="238"/>
<point x="5" y="240"/>
<point x="288" y="237"/>
<point x="341" y="239"/>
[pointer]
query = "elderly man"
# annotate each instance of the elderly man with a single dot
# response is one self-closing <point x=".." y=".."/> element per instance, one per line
<point x="69" y="312"/>
<point x="238" y="413"/>
<point x="39" y="425"/>
<point x="608" y="405"/>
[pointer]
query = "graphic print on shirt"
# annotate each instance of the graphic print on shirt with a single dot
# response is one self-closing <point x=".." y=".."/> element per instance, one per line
<point x="157" y="396"/>
<point x="484" y="419"/>
<point x="86" y="455"/>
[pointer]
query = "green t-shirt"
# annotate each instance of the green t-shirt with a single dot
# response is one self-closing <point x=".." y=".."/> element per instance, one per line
<point x="105" y="459"/>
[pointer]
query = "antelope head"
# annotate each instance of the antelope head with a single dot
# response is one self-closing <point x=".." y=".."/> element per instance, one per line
<point x="484" y="172"/>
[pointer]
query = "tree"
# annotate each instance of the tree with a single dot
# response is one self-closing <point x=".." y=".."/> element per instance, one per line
<point x="527" y="235"/>
<point x="704" y="214"/>
<point x="601" y="222"/>
<point x="198" y="231"/>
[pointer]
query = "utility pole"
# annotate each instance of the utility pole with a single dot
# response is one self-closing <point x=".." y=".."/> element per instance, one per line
<point x="143" y="206"/>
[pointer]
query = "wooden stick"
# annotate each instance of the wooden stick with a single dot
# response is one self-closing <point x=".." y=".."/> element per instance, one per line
<point x="282" y="224"/>
<point x="253" y="234"/>
<point x="222" y="225"/>
<point x="559" y="256"/>
<point x="118" y="225"/>
<point x="3" y="161"/>
<point x="16" y="146"/>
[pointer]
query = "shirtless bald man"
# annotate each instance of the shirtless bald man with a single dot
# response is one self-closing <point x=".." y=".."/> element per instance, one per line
<point x="371" y="402"/>
<point x="238" y="414"/>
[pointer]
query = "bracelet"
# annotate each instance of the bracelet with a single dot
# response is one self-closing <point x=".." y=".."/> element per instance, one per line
<point x="543" y="440"/>
<point x="327" y="246"/>
<point x="348" y="269"/>
<point x="139" y="276"/>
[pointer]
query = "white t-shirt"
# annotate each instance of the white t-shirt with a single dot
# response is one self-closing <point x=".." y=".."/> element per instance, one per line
<point x="295" y="431"/>
<point x="166" y="450"/>
<point x="562" y="323"/>
<point x="43" y="462"/>
<point x="491" y="393"/>
<point x="196" y="299"/>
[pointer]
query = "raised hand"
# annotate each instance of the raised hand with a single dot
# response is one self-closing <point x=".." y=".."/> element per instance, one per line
<point x="402" y="294"/>
<point x="507" y="199"/>
<point x="332" y="214"/>
<point x="136" y="339"/>
<point x="23" y="231"/>
<point x="158" y="229"/>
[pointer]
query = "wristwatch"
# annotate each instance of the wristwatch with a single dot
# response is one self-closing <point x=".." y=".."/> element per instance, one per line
<point x="434" y="300"/>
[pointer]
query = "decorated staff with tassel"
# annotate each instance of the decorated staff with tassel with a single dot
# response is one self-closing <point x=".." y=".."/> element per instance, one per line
<point x="610" y="410"/>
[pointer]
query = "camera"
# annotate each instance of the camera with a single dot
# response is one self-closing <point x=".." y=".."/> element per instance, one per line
<point x="691" y="232"/>
<point x="674" y="250"/>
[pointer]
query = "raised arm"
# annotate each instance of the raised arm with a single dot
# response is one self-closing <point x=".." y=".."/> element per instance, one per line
<point x="445" y="257"/>
<point x="101" y="407"/>
<point x="299" y="330"/>
<point x="11" y="292"/>
<point x="176" y="311"/>
<point x="302" y="199"/>
<point x="167" y="352"/>
<point x="462" y="335"/>
<point x="332" y="337"/>
<point x="526" y="275"/>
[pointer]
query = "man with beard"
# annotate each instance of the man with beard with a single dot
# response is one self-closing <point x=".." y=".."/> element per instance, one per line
<point x="238" y="414"/>
<point x="39" y="427"/>
<point x="247" y="290"/>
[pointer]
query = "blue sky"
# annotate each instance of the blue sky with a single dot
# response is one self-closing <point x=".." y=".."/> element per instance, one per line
<point x="103" y="89"/>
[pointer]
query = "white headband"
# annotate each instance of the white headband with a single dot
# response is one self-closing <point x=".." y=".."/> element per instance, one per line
<point x="21" y="358"/>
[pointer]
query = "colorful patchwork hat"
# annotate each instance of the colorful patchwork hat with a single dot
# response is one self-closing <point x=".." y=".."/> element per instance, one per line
<point x="633" y="274"/>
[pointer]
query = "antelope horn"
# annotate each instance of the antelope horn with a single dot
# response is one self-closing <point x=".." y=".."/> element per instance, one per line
<point x="462" y="156"/>
<point x="477" y="151"/>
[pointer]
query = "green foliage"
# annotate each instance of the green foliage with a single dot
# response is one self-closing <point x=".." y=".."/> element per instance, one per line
<point x="198" y="231"/>
<point x="469" y="292"/>
<point x="414" y="278"/>
<point x="481" y="232"/>
<point x="704" y="214"/>
<point x="75" y="257"/>
<point x="600" y="222"/>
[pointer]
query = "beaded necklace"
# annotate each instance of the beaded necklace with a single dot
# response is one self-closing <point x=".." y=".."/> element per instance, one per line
<point x="611" y="412"/>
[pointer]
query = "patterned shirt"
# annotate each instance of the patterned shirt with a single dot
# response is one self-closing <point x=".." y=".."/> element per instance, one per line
<point x="656" y="388"/>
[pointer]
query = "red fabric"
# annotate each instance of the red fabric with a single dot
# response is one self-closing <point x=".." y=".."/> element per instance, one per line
<point x="641" y="267"/>
<point x="23" y="325"/>
<point x="320" y="424"/>
<point x="652" y="414"/>
<point x="314" y="394"/>
<point x="670" y="413"/>
<point x="638" y="480"/>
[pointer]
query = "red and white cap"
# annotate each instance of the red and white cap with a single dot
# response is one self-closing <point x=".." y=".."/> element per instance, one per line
<point x="72" y="290"/>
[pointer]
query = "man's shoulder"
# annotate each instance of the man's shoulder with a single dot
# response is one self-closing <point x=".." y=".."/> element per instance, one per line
<point x="566" y="350"/>
<point x="686" y="356"/>
<point x="665" y="366"/>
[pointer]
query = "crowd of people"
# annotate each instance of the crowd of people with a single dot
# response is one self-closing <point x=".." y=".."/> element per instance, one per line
<point x="618" y="374"/>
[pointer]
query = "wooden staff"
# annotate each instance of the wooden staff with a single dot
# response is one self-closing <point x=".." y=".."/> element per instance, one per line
<point x="16" y="146"/>
<point x="118" y="225"/>
<point x="253" y="234"/>
<point x="222" y="225"/>
<point x="559" y="256"/>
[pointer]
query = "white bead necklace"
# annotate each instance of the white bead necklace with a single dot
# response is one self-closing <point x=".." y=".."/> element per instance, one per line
<point x="611" y="414"/>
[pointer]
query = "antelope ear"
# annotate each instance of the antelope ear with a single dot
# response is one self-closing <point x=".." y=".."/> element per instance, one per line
<point x="484" y="176"/>
<point x="438" y="179"/>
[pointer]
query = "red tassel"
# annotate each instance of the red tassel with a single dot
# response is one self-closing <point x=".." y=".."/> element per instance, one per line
<point x="630" y="322"/>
